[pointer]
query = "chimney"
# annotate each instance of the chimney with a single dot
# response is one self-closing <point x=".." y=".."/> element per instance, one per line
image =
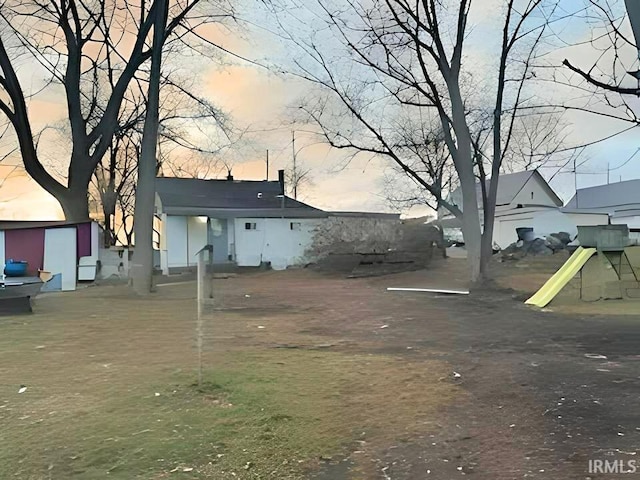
<point x="229" y="176"/>
<point x="281" y="180"/>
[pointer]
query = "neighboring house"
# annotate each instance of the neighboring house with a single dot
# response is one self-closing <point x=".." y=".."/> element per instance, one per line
<point x="525" y="199"/>
<point x="69" y="250"/>
<point x="247" y="222"/>
<point x="621" y="201"/>
<point x="515" y="190"/>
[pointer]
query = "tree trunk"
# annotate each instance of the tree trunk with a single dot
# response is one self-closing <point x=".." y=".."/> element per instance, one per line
<point x="464" y="161"/>
<point x="142" y="268"/>
<point x="470" y="217"/>
<point x="108" y="198"/>
<point x="471" y="227"/>
<point x="488" y="222"/>
<point x="109" y="227"/>
<point x="74" y="205"/>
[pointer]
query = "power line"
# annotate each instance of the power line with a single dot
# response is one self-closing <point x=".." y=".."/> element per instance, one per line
<point x="599" y="173"/>
<point x="626" y="161"/>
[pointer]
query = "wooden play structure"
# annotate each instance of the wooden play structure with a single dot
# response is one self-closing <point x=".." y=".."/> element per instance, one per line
<point x="608" y="267"/>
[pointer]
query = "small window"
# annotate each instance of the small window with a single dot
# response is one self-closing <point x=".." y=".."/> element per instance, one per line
<point x="531" y="195"/>
<point x="295" y="225"/>
<point x="250" y="226"/>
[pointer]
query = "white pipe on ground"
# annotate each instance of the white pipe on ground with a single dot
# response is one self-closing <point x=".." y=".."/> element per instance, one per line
<point x="430" y="290"/>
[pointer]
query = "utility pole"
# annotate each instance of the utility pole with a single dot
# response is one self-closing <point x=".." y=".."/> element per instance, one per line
<point x="575" y="179"/>
<point x="294" y="174"/>
<point x="608" y="171"/>
<point x="267" y="165"/>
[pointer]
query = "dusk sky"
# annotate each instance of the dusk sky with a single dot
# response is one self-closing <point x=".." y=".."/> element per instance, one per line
<point x="261" y="102"/>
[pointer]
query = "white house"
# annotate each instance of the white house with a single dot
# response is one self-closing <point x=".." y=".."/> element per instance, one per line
<point x="247" y="222"/>
<point x="525" y="199"/>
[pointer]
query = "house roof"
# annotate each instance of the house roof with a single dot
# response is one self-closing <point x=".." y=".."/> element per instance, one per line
<point x="634" y="212"/>
<point x="378" y="215"/>
<point x="608" y="198"/>
<point x="26" y="224"/>
<point x="511" y="184"/>
<point x="228" y="198"/>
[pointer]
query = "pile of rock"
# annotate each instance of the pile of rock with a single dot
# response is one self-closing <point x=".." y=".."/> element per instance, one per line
<point x="537" y="246"/>
<point x="402" y="247"/>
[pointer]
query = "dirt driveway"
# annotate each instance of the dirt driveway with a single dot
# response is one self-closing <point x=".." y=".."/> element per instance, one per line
<point x="445" y="386"/>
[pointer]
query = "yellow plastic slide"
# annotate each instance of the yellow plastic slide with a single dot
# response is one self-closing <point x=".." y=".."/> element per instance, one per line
<point x="559" y="279"/>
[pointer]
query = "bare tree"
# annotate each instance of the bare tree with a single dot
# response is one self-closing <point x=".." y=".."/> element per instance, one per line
<point x="113" y="183"/>
<point x="425" y="153"/>
<point x="191" y="164"/>
<point x="79" y="44"/>
<point x="613" y="71"/>
<point x="408" y="57"/>
<point x="142" y="268"/>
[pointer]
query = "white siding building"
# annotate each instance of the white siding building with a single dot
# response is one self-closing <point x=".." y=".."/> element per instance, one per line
<point x="247" y="222"/>
<point x="525" y="199"/>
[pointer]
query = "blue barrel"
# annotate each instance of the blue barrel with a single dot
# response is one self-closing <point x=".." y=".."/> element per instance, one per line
<point x="16" y="268"/>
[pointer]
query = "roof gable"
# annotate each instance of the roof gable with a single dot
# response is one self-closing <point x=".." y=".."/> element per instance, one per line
<point x="509" y="186"/>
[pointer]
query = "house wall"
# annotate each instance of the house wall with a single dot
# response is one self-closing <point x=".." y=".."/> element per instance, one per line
<point x="2" y="259"/>
<point x="231" y="238"/>
<point x="533" y="192"/>
<point x="175" y="239"/>
<point x="273" y="241"/>
<point x="84" y="239"/>
<point x="27" y="244"/>
<point x="504" y="228"/>
<point x="162" y="243"/>
<point x="589" y="218"/>
<point x="543" y="221"/>
<point x="61" y="254"/>
<point x="633" y="222"/>
<point x="196" y="238"/>
<point x="183" y="238"/>
<point x="218" y="238"/>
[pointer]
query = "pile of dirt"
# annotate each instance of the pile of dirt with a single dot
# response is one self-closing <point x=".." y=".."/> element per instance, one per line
<point x="549" y="245"/>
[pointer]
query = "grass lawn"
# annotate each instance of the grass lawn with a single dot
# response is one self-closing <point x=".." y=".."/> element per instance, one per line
<point x="111" y="394"/>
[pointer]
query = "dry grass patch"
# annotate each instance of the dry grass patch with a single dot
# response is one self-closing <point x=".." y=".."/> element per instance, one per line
<point x="110" y="394"/>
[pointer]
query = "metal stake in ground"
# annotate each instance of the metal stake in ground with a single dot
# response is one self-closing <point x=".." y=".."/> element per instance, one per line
<point x="200" y="281"/>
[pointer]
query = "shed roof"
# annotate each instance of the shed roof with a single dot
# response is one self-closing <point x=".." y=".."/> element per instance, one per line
<point x="610" y="197"/>
<point x="190" y="196"/>
<point x="26" y="224"/>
